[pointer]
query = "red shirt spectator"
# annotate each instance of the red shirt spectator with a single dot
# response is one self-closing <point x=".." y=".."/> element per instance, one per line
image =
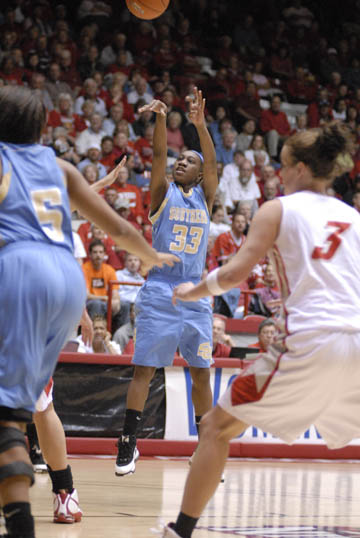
<point x="275" y="119"/>
<point x="229" y="243"/>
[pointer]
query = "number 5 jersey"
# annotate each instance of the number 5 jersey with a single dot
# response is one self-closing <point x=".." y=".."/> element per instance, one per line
<point x="34" y="203"/>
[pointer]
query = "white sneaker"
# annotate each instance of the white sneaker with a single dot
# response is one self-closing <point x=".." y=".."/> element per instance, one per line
<point x="66" y="507"/>
<point x="169" y="531"/>
<point x="127" y="455"/>
<point x="165" y="530"/>
<point x="222" y="479"/>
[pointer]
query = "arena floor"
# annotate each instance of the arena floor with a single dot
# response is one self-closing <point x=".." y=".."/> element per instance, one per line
<point x="267" y="499"/>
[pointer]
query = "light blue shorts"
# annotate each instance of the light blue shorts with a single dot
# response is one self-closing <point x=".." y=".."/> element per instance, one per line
<point x="161" y="328"/>
<point x="42" y="296"/>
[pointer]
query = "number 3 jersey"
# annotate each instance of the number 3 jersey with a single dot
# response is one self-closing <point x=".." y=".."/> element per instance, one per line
<point x="317" y="260"/>
<point x="181" y="226"/>
<point x="34" y="203"/>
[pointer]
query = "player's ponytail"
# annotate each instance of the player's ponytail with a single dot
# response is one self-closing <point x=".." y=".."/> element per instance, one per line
<point x="325" y="150"/>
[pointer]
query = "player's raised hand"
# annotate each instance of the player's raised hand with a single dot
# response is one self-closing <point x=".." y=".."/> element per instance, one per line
<point x="196" y="107"/>
<point x="87" y="332"/>
<point x="110" y="178"/>
<point x="155" y="106"/>
<point x="183" y="292"/>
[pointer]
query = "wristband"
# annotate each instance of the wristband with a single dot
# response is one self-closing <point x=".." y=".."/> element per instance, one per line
<point x="213" y="284"/>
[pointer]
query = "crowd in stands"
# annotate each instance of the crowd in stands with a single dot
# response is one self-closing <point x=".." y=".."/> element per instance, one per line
<point x="267" y="70"/>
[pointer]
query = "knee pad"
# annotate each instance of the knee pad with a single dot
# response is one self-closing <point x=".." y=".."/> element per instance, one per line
<point x="9" y="438"/>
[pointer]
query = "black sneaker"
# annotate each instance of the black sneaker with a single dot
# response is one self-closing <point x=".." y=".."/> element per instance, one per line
<point x="37" y="460"/>
<point x="127" y="455"/>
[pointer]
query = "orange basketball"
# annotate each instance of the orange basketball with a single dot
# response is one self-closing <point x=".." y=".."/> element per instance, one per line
<point x="147" y="9"/>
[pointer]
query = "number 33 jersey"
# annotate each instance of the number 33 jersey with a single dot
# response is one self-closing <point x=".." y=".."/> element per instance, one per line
<point x="34" y="203"/>
<point x="317" y="259"/>
<point x="181" y="226"/>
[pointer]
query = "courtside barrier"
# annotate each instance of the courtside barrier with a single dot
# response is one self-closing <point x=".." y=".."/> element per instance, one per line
<point x="90" y="395"/>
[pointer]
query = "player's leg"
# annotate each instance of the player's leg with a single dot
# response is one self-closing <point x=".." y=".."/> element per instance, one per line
<point x="158" y="328"/>
<point x="135" y="402"/>
<point x="35" y="453"/>
<point x="200" y="392"/>
<point x="53" y="445"/>
<point x="16" y="477"/>
<point x="217" y="429"/>
<point x="196" y="348"/>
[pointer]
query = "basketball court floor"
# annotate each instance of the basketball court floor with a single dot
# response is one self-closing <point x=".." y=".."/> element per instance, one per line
<point x="267" y="499"/>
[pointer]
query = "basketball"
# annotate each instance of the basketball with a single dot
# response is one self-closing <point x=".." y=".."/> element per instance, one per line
<point x="147" y="9"/>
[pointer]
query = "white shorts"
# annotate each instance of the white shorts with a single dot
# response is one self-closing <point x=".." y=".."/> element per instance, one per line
<point x="46" y="397"/>
<point x="315" y="380"/>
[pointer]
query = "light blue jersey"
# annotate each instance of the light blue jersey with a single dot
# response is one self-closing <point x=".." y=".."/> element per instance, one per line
<point x="43" y="288"/>
<point x="33" y="198"/>
<point x="180" y="226"/>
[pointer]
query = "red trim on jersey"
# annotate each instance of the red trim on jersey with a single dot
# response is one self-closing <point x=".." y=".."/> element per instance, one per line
<point x="244" y="390"/>
<point x="49" y="386"/>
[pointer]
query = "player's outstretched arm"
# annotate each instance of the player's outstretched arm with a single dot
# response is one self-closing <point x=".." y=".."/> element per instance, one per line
<point x="261" y="237"/>
<point x="95" y="209"/>
<point x="158" y="182"/>
<point x="196" y="115"/>
<point x="109" y="179"/>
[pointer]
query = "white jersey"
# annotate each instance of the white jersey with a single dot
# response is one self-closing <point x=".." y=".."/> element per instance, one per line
<point x="317" y="260"/>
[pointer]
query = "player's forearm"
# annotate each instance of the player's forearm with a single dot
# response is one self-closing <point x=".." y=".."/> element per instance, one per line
<point x="132" y="241"/>
<point x="207" y="145"/>
<point x="160" y="137"/>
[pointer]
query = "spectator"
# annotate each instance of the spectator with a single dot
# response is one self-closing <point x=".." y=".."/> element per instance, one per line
<point x="109" y="53"/>
<point x="244" y="139"/>
<point x="101" y="342"/>
<point x="140" y="91"/>
<point x="242" y="185"/>
<point x="144" y="147"/>
<point x="340" y="110"/>
<point x="267" y="301"/>
<point x="90" y="94"/>
<point x="257" y="144"/>
<point x="229" y="243"/>
<point x="90" y="173"/>
<point x="111" y="194"/>
<point x="142" y="118"/>
<point x="214" y="127"/>
<point x="93" y="157"/>
<point x="247" y="106"/>
<point x="270" y="190"/>
<point x="65" y="117"/>
<point x="266" y="335"/>
<point x="97" y="277"/>
<point x="301" y="123"/>
<point x="245" y="208"/>
<point x="218" y="224"/>
<point x="131" y="193"/>
<point x="275" y="125"/>
<point x="281" y="66"/>
<point x="116" y="114"/>
<point x="175" y="140"/>
<point x="222" y="342"/>
<point x="225" y="150"/>
<point x="130" y="273"/>
<point x="90" y="136"/>
<point x="37" y="83"/>
<point x="68" y="72"/>
<point x="108" y="156"/>
<point x="89" y="63"/>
